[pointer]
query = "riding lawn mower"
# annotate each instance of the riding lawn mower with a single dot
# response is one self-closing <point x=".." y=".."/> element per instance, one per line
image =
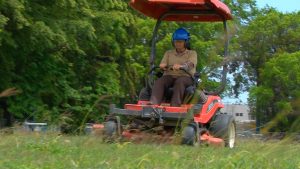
<point x="199" y="119"/>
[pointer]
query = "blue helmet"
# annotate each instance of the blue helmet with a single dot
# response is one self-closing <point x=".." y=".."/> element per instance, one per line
<point x="181" y="34"/>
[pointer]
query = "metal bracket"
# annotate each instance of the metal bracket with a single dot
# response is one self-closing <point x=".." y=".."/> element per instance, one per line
<point x="158" y="112"/>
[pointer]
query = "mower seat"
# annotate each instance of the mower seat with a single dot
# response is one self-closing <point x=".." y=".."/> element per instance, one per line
<point x="188" y="94"/>
<point x="145" y="93"/>
<point x="189" y="91"/>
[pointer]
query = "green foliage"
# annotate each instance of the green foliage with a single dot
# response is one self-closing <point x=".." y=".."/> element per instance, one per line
<point x="279" y="89"/>
<point x="260" y="47"/>
<point x="63" y="55"/>
<point x="269" y="34"/>
<point x="243" y="10"/>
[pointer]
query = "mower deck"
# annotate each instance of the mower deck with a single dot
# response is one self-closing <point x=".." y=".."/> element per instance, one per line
<point x="166" y="137"/>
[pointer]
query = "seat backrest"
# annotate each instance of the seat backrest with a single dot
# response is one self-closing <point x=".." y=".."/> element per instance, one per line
<point x="188" y="94"/>
<point x="145" y="93"/>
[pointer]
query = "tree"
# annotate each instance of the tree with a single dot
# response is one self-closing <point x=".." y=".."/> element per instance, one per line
<point x="63" y="55"/>
<point x="268" y="35"/>
<point x="277" y="96"/>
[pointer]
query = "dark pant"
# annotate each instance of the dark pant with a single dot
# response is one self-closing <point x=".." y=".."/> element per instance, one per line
<point x="179" y="84"/>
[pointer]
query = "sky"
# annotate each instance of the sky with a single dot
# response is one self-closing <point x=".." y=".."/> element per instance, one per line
<point x="282" y="6"/>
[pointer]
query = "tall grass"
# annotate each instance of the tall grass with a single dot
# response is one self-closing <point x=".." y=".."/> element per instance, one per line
<point x="22" y="151"/>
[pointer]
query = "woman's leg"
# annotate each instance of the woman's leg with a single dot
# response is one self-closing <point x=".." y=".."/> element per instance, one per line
<point x="180" y="84"/>
<point x="159" y="87"/>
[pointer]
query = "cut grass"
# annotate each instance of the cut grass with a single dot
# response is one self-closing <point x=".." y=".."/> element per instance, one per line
<point x="53" y="151"/>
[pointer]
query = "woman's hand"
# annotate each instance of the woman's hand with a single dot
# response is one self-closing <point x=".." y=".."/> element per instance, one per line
<point x="163" y="66"/>
<point x="176" y="66"/>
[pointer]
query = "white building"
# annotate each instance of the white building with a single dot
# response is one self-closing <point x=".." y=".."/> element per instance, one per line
<point x="240" y="112"/>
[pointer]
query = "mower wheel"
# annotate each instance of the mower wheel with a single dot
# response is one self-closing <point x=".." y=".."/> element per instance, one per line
<point x="223" y="126"/>
<point x="110" y="128"/>
<point x="189" y="136"/>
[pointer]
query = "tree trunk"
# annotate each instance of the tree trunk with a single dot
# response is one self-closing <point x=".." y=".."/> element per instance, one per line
<point x="7" y="117"/>
<point x="258" y="115"/>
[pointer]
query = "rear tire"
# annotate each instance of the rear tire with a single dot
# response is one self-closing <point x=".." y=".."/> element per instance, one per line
<point x="223" y="126"/>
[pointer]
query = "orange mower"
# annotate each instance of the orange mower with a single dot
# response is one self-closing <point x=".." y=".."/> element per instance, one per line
<point x="194" y="122"/>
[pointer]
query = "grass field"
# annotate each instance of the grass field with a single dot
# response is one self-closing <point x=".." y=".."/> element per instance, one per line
<point x="22" y="151"/>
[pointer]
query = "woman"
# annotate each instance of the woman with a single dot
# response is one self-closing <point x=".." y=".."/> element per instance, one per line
<point x="178" y="65"/>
